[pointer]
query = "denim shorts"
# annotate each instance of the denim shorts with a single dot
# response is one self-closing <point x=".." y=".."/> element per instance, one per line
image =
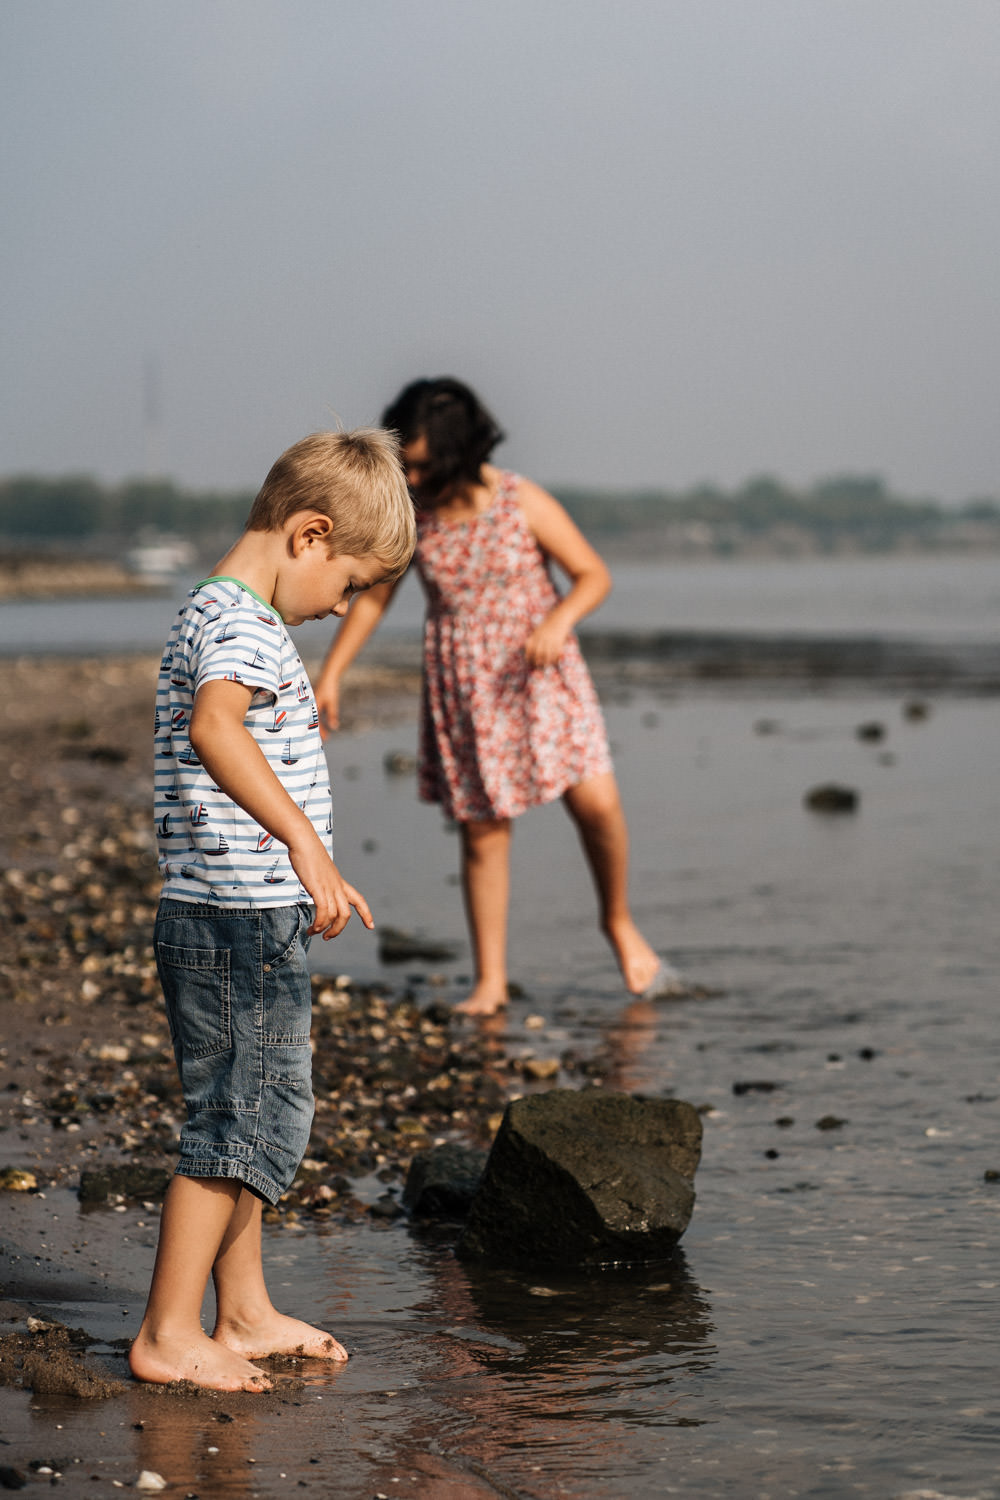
<point x="239" y="1006"/>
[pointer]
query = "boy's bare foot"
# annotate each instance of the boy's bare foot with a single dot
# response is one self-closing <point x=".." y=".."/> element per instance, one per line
<point x="276" y="1334"/>
<point x="638" y="962"/>
<point x="198" y="1359"/>
<point x="485" y="1000"/>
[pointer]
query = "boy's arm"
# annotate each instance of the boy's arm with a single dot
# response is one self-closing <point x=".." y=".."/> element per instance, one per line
<point x="365" y="613"/>
<point x="231" y="755"/>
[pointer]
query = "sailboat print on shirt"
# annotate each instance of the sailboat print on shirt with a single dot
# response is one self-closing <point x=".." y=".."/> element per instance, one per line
<point x="178" y="720"/>
<point x="164" y="829"/>
<point x="264" y="841"/>
<point x="257" y="660"/>
<point x="187" y="756"/>
<point x="199" y="815"/>
<point x="221" y="848"/>
<point x="272" y="877"/>
<point x="288" y="759"/>
<point x="280" y="715"/>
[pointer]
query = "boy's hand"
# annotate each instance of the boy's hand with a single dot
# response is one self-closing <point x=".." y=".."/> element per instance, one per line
<point x="329" y="891"/>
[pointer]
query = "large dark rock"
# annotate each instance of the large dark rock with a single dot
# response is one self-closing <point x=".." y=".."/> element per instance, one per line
<point x="586" y="1179"/>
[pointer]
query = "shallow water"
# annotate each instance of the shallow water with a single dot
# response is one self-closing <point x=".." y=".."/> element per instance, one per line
<point x="937" y="597"/>
<point x="829" y="1329"/>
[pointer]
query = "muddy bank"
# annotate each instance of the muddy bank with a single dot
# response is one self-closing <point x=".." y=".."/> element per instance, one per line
<point x="30" y="575"/>
<point x="721" y="656"/>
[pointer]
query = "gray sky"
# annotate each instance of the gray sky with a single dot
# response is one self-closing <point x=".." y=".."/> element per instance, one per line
<point x="667" y="240"/>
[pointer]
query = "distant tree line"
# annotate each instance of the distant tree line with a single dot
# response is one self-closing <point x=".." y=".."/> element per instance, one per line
<point x="77" y="510"/>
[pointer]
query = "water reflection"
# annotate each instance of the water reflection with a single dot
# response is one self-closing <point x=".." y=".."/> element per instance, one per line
<point x="579" y="1368"/>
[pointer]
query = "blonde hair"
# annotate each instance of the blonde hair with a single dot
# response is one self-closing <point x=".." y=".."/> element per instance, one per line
<point x="353" y="478"/>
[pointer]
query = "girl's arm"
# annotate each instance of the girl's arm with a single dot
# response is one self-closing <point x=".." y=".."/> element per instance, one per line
<point x="362" y="618"/>
<point x="590" y="581"/>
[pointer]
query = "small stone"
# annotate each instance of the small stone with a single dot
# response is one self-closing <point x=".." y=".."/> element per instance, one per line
<point x="991" y="1175"/>
<point x="396" y="946"/>
<point x="540" y="1068"/>
<point x="111" y="1051"/>
<point x="399" y="763"/>
<point x="150" y="1480"/>
<point x="872" y="731"/>
<point x="17" y="1180"/>
<point x="386" y="1207"/>
<point x="831" y="798"/>
<point x="830" y="1122"/>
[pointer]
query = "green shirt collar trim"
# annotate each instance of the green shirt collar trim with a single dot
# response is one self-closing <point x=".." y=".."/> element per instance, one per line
<point x="227" y="578"/>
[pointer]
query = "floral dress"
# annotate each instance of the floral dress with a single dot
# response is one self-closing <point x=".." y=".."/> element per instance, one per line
<point x="497" y="735"/>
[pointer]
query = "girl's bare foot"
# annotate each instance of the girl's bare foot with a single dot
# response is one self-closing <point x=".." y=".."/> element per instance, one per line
<point x="198" y="1359"/>
<point x="485" y="1000"/>
<point x="638" y="962"/>
<point x="276" y="1334"/>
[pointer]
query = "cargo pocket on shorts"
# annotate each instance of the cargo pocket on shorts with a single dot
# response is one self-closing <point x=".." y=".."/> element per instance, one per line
<point x="196" y="987"/>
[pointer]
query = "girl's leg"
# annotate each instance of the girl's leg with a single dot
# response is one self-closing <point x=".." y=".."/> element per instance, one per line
<point x="171" y="1343"/>
<point x="596" y="809"/>
<point x="246" y="1321"/>
<point x="486" y="888"/>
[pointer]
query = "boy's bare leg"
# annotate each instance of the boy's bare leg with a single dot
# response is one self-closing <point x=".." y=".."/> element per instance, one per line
<point x="486" y="888"/>
<point x="246" y="1320"/>
<point x="596" y="809"/>
<point x="171" y="1343"/>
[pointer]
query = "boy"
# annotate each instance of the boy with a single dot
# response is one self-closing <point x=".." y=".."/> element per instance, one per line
<point x="243" y="820"/>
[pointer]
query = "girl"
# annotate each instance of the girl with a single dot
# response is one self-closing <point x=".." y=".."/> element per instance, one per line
<point x="510" y="718"/>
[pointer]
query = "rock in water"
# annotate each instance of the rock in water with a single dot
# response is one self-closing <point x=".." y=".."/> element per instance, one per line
<point x="443" y="1181"/>
<point x="585" y="1179"/>
<point x="831" y="798"/>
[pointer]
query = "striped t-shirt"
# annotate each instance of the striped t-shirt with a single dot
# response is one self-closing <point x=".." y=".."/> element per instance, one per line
<point x="210" y="850"/>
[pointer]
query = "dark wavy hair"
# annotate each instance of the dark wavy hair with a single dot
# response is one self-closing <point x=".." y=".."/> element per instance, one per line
<point x="461" y="434"/>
